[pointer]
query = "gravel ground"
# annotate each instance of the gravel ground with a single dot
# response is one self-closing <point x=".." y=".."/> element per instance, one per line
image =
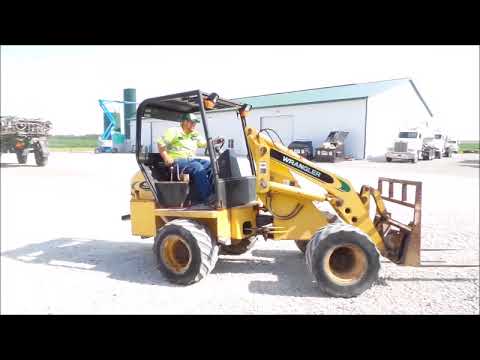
<point x="65" y="250"/>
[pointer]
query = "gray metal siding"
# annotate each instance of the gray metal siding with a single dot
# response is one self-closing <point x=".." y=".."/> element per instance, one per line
<point x="311" y="122"/>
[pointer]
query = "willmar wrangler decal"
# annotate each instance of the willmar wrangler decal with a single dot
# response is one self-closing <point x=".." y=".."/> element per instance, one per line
<point x="298" y="165"/>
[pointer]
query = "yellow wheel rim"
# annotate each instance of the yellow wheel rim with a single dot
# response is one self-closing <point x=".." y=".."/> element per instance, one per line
<point x="176" y="254"/>
<point x="345" y="264"/>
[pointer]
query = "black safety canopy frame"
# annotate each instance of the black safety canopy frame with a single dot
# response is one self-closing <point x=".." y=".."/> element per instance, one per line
<point x="168" y="108"/>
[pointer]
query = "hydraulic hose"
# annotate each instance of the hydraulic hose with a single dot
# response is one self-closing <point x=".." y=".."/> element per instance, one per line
<point x="289" y="216"/>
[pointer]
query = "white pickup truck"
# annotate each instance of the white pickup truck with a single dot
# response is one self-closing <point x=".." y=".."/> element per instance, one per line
<point x="407" y="146"/>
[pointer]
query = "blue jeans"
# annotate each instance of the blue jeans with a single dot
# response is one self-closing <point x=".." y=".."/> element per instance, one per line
<point x="201" y="172"/>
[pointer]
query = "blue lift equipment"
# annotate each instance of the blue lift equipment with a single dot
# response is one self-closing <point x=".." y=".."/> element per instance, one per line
<point x="105" y="140"/>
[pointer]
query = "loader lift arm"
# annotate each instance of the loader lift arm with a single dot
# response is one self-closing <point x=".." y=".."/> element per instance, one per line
<point x="276" y="163"/>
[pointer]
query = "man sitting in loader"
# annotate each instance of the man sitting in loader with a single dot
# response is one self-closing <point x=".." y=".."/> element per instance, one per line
<point x="177" y="147"/>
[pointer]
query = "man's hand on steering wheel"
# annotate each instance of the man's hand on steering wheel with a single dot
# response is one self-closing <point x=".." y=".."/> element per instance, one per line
<point x="218" y="140"/>
<point x="217" y="143"/>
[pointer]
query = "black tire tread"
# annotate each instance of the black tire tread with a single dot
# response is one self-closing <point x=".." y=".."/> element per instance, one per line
<point x="40" y="160"/>
<point x="323" y="234"/>
<point x="22" y="156"/>
<point x="206" y="244"/>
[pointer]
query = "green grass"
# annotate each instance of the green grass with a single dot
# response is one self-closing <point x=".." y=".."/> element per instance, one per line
<point x="72" y="149"/>
<point x="72" y="141"/>
<point x="473" y="147"/>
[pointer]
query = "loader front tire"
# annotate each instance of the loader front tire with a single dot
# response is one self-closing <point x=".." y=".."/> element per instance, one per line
<point x="343" y="260"/>
<point x="185" y="251"/>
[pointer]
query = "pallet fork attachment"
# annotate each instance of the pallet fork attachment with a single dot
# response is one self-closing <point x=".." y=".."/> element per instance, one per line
<point x="402" y="242"/>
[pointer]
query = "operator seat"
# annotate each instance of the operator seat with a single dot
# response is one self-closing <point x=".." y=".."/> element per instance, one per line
<point x="228" y="165"/>
<point x="155" y="163"/>
<point x="168" y="185"/>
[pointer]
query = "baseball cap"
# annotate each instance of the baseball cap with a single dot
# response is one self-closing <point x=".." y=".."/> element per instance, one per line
<point x="189" y="116"/>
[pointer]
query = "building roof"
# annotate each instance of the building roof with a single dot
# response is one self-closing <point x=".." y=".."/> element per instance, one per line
<point x="326" y="94"/>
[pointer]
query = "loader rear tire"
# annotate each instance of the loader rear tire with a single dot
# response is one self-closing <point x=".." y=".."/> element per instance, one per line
<point x="343" y="260"/>
<point x="185" y="251"/>
<point x="302" y="245"/>
<point x="40" y="160"/>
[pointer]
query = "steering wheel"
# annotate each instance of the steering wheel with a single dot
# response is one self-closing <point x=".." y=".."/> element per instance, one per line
<point x="219" y="142"/>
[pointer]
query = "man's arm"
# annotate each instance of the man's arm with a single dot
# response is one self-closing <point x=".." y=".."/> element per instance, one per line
<point x="162" y="146"/>
<point x="167" y="159"/>
<point x="201" y="142"/>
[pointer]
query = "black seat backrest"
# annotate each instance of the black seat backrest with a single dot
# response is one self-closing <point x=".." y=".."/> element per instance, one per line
<point x="155" y="163"/>
<point x="160" y="172"/>
<point x="228" y="165"/>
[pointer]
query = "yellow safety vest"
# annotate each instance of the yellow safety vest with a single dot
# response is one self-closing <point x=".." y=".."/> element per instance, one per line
<point x="181" y="145"/>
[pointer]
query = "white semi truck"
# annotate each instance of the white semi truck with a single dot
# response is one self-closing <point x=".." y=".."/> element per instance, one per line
<point x="440" y="144"/>
<point x="409" y="145"/>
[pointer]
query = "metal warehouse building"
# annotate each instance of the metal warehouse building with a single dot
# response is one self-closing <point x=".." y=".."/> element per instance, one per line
<point x="371" y="112"/>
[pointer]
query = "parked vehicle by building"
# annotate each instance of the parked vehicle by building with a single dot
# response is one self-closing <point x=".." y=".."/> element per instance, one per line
<point x="303" y="148"/>
<point x="23" y="136"/>
<point x="333" y="148"/>
<point x="407" y="146"/>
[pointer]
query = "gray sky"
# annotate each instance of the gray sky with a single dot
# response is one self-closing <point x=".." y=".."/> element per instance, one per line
<point x="63" y="83"/>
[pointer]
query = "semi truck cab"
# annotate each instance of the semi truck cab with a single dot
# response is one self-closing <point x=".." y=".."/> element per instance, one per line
<point x="407" y="146"/>
<point x="440" y="143"/>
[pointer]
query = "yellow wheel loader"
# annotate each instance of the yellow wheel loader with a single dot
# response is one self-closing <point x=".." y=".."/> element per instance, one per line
<point x="329" y="221"/>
